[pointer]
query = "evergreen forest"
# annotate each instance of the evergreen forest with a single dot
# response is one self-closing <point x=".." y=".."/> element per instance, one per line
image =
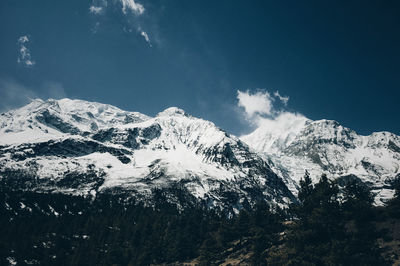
<point x="330" y="225"/>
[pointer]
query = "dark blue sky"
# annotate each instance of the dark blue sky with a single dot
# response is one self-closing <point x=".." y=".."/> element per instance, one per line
<point x="334" y="59"/>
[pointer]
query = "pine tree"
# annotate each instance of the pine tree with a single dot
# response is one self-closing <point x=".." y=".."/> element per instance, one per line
<point x="306" y="188"/>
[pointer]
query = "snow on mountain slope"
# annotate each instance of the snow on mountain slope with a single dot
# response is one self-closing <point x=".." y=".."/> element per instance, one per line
<point x="41" y="120"/>
<point x="324" y="146"/>
<point x="85" y="148"/>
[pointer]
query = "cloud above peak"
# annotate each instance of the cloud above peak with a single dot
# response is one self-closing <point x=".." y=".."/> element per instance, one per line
<point x="268" y="110"/>
<point x="258" y="103"/>
<point x="24" y="54"/>
<point x="270" y="125"/>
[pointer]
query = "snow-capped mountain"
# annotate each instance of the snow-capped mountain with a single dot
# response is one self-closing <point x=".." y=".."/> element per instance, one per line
<point x="85" y="148"/>
<point x="293" y="144"/>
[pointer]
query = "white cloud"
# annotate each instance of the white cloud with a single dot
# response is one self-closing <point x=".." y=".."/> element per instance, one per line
<point x="23" y="39"/>
<point x="265" y="118"/>
<point x="259" y="103"/>
<point x="283" y="99"/>
<point x="132" y="11"/>
<point x="283" y="124"/>
<point x="24" y="54"/>
<point x="146" y="37"/>
<point x="275" y="131"/>
<point x="128" y="6"/>
<point x="96" y="10"/>
<point x="131" y="5"/>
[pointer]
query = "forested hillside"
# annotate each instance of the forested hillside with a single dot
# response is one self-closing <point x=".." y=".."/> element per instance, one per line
<point x="328" y="227"/>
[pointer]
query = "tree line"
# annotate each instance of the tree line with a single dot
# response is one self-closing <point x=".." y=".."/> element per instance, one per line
<point x="329" y="226"/>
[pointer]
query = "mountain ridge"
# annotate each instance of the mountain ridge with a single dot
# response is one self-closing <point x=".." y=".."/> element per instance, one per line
<point x="112" y="150"/>
<point x="52" y="141"/>
<point x="326" y="147"/>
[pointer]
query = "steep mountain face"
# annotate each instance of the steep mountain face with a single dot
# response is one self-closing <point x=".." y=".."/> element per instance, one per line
<point x="324" y="146"/>
<point x="86" y="148"/>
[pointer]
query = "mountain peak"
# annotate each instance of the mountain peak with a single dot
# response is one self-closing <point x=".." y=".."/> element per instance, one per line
<point x="173" y="111"/>
<point x="326" y="146"/>
<point x="43" y="119"/>
<point x="325" y="123"/>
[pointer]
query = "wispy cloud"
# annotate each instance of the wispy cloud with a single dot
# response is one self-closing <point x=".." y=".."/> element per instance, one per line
<point x="95" y="27"/>
<point x="145" y="36"/>
<point x="24" y="54"/>
<point x="53" y="90"/>
<point x="283" y="99"/>
<point x="96" y="10"/>
<point x="131" y="11"/>
<point x="14" y="94"/>
<point x="132" y="6"/>
<point x="127" y="6"/>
